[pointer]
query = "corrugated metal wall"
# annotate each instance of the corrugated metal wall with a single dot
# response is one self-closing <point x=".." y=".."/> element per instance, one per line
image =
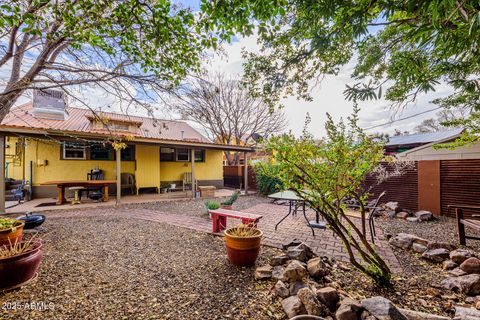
<point x="459" y="184"/>
<point x="402" y="189"/>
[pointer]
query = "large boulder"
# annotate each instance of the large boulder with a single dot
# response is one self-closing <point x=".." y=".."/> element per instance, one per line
<point x="294" y="271"/>
<point x="264" y="272"/>
<point x="449" y="265"/>
<point x="391" y="206"/>
<point x="281" y="289"/>
<point x="403" y="215"/>
<point x="418" y="247"/>
<point x="423" y="215"/>
<point x="468" y="284"/>
<point x="317" y="268"/>
<point x="277" y="273"/>
<point x="349" y="309"/>
<point x="471" y="265"/>
<point x="457" y="272"/>
<point x="329" y="297"/>
<point x="279" y="260"/>
<point x="462" y="313"/>
<point x="402" y="240"/>
<point x="293" y="307"/>
<point x="382" y="309"/>
<point x="436" y="255"/>
<point x="310" y="302"/>
<point x="296" y="286"/>
<point x="417" y="315"/>
<point x="441" y="245"/>
<point x="296" y="254"/>
<point x="460" y="255"/>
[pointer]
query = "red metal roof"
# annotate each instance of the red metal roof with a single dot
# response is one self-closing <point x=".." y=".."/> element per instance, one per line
<point x="80" y="120"/>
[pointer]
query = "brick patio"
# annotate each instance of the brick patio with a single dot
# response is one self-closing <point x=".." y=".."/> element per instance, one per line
<point x="324" y="242"/>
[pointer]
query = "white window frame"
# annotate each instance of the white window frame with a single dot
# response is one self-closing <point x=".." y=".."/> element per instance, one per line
<point x="84" y="149"/>
<point x="188" y="155"/>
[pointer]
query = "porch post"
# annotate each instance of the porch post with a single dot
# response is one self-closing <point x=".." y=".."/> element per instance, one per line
<point x="2" y="173"/>
<point x="194" y="186"/>
<point x="119" y="174"/>
<point x="245" y="172"/>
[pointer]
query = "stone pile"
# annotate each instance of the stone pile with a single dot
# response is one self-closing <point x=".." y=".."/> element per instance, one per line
<point x="303" y="282"/>
<point x="462" y="265"/>
<point x="393" y="210"/>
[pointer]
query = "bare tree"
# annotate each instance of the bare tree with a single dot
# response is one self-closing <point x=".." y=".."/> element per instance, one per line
<point x="134" y="50"/>
<point x="227" y="111"/>
<point x="445" y="115"/>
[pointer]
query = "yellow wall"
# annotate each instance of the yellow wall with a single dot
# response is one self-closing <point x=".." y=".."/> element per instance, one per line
<point x="211" y="169"/>
<point x="57" y="169"/>
<point x="148" y="166"/>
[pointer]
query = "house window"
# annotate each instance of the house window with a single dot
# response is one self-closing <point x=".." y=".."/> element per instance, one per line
<point x="73" y="151"/>
<point x="128" y="154"/>
<point x="183" y="154"/>
<point x="100" y="152"/>
<point x="199" y="155"/>
<point x="167" y="154"/>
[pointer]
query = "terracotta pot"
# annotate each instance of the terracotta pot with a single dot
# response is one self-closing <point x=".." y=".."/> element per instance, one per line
<point x="14" y="234"/>
<point x="243" y="251"/>
<point x="226" y="207"/>
<point x="19" y="269"/>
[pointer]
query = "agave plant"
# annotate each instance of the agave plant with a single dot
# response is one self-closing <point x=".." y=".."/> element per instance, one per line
<point x="16" y="248"/>
<point x="243" y="231"/>
<point x="230" y="201"/>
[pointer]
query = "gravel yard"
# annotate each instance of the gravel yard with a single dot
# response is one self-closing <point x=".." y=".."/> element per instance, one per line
<point x="196" y="207"/>
<point x="121" y="268"/>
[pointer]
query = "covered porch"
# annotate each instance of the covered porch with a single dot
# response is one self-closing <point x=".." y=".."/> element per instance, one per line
<point x="41" y="165"/>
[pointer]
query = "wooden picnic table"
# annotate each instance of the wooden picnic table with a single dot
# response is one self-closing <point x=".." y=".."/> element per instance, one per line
<point x="61" y="185"/>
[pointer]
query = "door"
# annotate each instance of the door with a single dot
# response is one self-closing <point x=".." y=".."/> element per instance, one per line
<point x="147" y="171"/>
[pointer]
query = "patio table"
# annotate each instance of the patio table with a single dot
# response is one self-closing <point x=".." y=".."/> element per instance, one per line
<point x="294" y="203"/>
<point x="61" y="185"/>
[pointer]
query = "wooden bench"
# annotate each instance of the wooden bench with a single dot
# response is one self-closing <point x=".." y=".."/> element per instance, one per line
<point x="462" y="222"/>
<point x="219" y="218"/>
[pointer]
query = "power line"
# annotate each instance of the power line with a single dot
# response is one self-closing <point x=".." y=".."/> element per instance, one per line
<point x="401" y="119"/>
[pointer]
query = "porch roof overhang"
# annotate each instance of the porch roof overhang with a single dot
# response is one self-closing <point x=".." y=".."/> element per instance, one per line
<point x="73" y="135"/>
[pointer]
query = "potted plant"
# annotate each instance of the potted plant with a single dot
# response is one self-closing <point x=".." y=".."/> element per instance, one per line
<point x="243" y="244"/>
<point x="11" y="230"/>
<point x="211" y="205"/>
<point x="228" y="204"/>
<point x="19" y="263"/>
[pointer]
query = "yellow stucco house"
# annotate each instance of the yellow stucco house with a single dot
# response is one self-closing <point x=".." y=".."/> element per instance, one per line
<point x="45" y="143"/>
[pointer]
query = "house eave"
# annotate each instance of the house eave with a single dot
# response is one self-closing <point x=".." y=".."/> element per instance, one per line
<point x="38" y="133"/>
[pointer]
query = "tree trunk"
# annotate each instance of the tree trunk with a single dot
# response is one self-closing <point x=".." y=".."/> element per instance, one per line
<point x="8" y="100"/>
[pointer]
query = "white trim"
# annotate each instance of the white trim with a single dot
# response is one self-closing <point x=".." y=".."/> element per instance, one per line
<point x="70" y="158"/>
<point x="188" y="154"/>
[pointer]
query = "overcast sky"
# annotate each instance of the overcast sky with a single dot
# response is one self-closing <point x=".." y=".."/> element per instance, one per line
<point x="328" y="97"/>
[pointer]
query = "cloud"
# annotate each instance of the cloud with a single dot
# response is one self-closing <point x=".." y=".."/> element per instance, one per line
<point x="328" y="97"/>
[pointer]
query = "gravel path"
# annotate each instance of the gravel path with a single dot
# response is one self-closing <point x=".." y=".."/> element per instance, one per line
<point x="118" y="268"/>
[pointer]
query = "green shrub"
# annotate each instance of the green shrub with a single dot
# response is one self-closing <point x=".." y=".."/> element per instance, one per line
<point x="212" y="205"/>
<point x="230" y="201"/>
<point x="266" y="175"/>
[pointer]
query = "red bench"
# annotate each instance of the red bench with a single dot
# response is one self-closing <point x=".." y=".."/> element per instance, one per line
<point x="219" y="218"/>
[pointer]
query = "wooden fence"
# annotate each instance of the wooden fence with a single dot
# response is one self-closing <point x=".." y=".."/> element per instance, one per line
<point x="233" y="177"/>
<point x="402" y="189"/>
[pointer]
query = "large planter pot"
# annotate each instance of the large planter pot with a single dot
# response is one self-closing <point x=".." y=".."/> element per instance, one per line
<point x="243" y="251"/>
<point x="12" y="234"/>
<point x="20" y="269"/>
